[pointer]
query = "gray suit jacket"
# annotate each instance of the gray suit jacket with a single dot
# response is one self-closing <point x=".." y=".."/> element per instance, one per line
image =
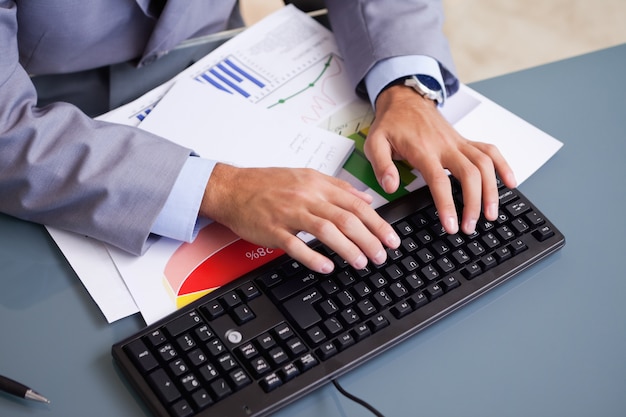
<point x="61" y="168"/>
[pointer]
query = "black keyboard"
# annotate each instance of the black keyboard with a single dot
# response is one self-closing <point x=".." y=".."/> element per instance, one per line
<point x="278" y="333"/>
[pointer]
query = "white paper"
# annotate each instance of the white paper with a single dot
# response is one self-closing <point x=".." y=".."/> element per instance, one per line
<point x="221" y="127"/>
<point x="92" y="263"/>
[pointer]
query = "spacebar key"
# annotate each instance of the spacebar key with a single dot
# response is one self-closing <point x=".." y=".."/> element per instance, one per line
<point x="301" y="309"/>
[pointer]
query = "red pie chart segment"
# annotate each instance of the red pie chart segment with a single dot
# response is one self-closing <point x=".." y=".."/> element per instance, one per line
<point x="215" y="258"/>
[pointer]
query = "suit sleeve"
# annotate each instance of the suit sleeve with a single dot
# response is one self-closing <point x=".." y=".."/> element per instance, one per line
<point x="61" y="168"/>
<point x="369" y="31"/>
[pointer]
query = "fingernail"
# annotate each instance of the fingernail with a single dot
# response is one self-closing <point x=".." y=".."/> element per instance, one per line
<point x="452" y="226"/>
<point x="360" y="262"/>
<point x="470" y="226"/>
<point x="492" y="210"/>
<point x="380" y="257"/>
<point x="327" y="267"/>
<point x="388" y="183"/>
<point x="393" y="240"/>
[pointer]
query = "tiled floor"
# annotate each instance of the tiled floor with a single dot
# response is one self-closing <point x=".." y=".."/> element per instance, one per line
<point x="493" y="37"/>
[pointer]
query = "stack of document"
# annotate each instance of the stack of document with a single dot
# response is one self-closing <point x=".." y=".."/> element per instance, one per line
<point x="261" y="100"/>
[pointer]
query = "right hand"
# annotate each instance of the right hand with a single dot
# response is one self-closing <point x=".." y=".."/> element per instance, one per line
<point x="269" y="206"/>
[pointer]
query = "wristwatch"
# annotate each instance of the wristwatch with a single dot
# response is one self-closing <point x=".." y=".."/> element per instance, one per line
<point x="426" y="86"/>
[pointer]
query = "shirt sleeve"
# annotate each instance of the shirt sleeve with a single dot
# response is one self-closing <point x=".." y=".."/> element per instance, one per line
<point x="179" y="217"/>
<point x="390" y="69"/>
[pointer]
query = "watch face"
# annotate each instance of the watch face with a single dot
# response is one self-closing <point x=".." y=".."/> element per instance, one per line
<point x="429" y="82"/>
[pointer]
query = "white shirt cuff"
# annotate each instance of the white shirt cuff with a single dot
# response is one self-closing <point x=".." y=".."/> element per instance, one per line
<point x="390" y="69"/>
<point x="179" y="217"/>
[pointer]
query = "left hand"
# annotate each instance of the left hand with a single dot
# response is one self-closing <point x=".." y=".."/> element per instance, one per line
<point x="410" y="127"/>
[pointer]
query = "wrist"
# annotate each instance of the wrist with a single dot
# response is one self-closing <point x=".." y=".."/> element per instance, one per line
<point x="400" y="96"/>
<point x="216" y="191"/>
<point x="424" y="85"/>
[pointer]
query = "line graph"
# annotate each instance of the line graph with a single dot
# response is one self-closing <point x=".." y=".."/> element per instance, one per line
<point x="314" y="92"/>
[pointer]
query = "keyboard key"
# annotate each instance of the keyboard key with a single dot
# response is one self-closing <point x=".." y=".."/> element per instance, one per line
<point x="349" y="316"/>
<point x="270" y="279"/>
<point x="197" y="357"/>
<point x="201" y="399"/>
<point x="156" y="337"/>
<point x="189" y="382"/>
<point x="248" y="351"/>
<point x="242" y="314"/>
<point x="186" y="342"/>
<point x="164" y="386"/>
<point x="517" y="208"/>
<point x="296" y="347"/>
<point x="283" y="331"/>
<point x="433" y="291"/>
<point x="288" y="372"/>
<point x="518" y="246"/>
<point x="401" y="309"/>
<point x="271" y="382"/>
<point x="520" y="226"/>
<point x="213" y="309"/>
<point x="209" y="372"/>
<point x="316" y="335"/>
<point x="301" y="310"/>
<point x="450" y="282"/>
<point x="418" y="300"/>
<point x="471" y="271"/>
<point x="404" y="228"/>
<point x="488" y="262"/>
<point x="344" y="341"/>
<point x="179" y="367"/>
<point x="366" y="308"/>
<point x="332" y="326"/>
<point x="249" y="291"/>
<point x="378" y="322"/>
<point x="239" y="378"/>
<point x="231" y="299"/>
<point x="183" y="323"/>
<point x="138" y="351"/>
<point x="260" y="366"/>
<point x="266" y="341"/>
<point x="167" y="352"/>
<point x="502" y="254"/>
<point x="307" y="362"/>
<point x="182" y="409"/>
<point x="361" y="331"/>
<point x="277" y="356"/>
<point x="535" y="218"/>
<point x="543" y="233"/>
<point x="398" y="290"/>
<point x="291" y="268"/>
<point x="220" y="388"/>
<point x="327" y="350"/>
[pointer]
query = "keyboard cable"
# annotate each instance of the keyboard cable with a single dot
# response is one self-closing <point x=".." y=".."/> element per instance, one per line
<point x="356" y="399"/>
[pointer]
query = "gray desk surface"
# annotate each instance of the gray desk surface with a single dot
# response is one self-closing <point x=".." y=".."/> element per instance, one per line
<point x="551" y="342"/>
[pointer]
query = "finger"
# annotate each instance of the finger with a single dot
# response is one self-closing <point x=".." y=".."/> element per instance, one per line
<point x="488" y="159"/>
<point x="301" y="252"/>
<point x="362" y="209"/>
<point x="348" y="236"/>
<point x="503" y="169"/>
<point x="474" y="170"/>
<point x="481" y="180"/>
<point x="441" y="191"/>
<point x="380" y="154"/>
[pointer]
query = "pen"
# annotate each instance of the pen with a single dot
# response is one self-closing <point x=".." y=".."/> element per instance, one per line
<point x="19" y="390"/>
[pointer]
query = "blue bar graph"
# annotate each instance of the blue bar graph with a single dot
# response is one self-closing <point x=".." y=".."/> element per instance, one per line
<point x="233" y="77"/>
<point x="244" y="73"/>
